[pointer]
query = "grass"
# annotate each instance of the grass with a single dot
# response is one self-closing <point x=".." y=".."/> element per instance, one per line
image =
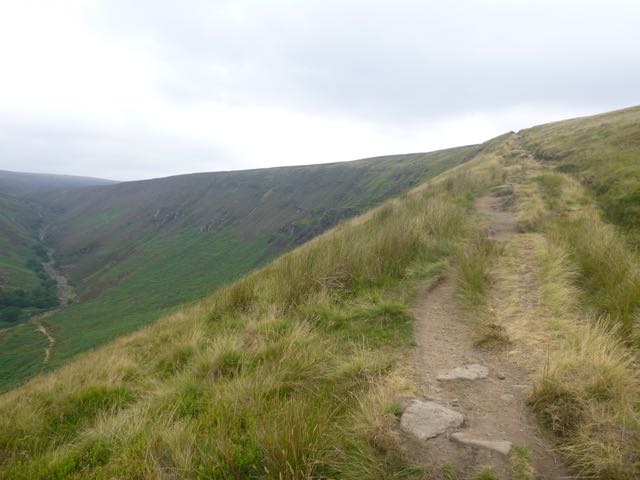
<point x="564" y="294"/>
<point x="600" y="151"/>
<point x="135" y="251"/>
<point x="291" y="372"/>
<point x="587" y="395"/>
<point x="294" y="371"/>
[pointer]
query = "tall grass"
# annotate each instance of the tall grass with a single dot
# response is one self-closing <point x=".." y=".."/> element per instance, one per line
<point x="588" y="394"/>
<point x="609" y="271"/>
<point x="291" y="372"/>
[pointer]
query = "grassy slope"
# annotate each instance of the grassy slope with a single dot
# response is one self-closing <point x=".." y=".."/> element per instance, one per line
<point x="293" y="371"/>
<point x="18" y="226"/>
<point x="136" y="266"/>
<point x="602" y="152"/>
<point x="581" y="322"/>
<point x="288" y="373"/>
<point x="20" y="221"/>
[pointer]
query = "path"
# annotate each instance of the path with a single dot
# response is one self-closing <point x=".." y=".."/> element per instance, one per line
<point x="494" y="408"/>
<point x="65" y="292"/>
<point x="40" y="327"/>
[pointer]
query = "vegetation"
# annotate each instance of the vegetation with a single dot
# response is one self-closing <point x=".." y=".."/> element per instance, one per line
<point x="27" y="288"/>
<point x="602" y="152"/>
<point x="136" y="250"/>
<point x="295" y="370"/>
<point x="290" y="372"/>
<point x="565" y="295"/>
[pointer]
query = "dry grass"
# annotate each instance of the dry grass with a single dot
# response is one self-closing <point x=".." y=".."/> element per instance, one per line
<point x="291" y="372"/>
<point x="588" y="394"/>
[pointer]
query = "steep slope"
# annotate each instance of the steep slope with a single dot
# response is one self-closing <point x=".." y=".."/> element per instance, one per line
<point x="300" y="369"/>
<point x="134" y="249"/>
<point x="25" y="287"/>
<point x="279" y="375"/>
<point x="601" y="151"/>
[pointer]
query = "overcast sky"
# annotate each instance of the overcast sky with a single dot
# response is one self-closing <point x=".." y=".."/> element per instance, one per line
<point x="131" y="89"/>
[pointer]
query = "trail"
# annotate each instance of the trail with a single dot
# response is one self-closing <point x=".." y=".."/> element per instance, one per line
<point x="40" y="327"/>
<point x="65" y="293"/>
<point x="494" y="408"/>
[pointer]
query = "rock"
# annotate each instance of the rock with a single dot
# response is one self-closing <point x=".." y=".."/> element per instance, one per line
<point x="467" y="372"/>
<point x="500" y="376"/>
<point x="500" y="446"/>
<point x="507" y="397"/>
<point x="426" y="420"/>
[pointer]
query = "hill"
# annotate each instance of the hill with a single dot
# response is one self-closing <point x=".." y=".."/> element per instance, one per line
<point x="25" y="287"/>
<point x="29" y="185"/>
<point x="602" y="153"/>
<point x="135" y="249"/>
<point x="304" y="368"/>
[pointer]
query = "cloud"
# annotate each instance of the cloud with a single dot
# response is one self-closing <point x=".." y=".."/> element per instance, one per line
<point x="147" y="88"/>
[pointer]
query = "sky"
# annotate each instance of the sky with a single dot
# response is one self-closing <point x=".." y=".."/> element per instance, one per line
<point x="126" y="90"/>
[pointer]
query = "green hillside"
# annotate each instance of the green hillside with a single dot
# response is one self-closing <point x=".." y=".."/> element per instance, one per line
<point x="303" y="367"/>
<point x="134" y="249"/>
<point x="279" y="375"/>
<point x="603" y="152"/>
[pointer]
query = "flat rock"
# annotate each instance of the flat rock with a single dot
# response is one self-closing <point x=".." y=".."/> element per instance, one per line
<point x="500" y="446"/>
<point x="426" y="420"/>
<point x="467" y="372"/>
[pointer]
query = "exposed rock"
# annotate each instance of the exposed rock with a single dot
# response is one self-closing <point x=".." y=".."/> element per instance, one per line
<point x="467" y="372"/>
<point x="507" y="397"/>
<point x="500" y="446"/>
<point x="426" y="420"/>
<point x="500" y="376"/>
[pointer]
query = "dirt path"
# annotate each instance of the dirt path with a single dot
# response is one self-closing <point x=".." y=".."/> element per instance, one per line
<point x="494" y="408"/>
<point x="40" y="327"/>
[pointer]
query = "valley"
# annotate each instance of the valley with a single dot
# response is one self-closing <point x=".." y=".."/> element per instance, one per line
<point x="131" y="251"/>
<point x="500" y="290"/>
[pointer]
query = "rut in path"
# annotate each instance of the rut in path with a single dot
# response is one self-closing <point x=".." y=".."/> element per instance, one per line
<point x="494" y="408"/>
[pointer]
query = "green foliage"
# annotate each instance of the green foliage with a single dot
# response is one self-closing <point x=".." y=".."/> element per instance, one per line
<point x="485" y="473"/>
<point x="132" y="259"/>
<point x="602" y="152"/>
<point x="522" y="464"/>
<point x="609" y="270"/>
<point x="286" y="373"/>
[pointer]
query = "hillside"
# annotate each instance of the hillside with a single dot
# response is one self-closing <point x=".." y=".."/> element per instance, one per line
<point x="134" y="249"/>
<point x="602" y="152"/>
<point x="25" y="288"/>
<point x="309" y="367"/>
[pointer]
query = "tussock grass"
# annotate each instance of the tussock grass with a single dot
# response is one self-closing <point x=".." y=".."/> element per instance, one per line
<point x="290" y="372"/>
<point x="588" y="394"/>
<point x="609" y="271"/>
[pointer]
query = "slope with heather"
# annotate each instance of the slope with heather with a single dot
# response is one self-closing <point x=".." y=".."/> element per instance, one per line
<point x="298" y="369"/>
<point x="135" y="249"/>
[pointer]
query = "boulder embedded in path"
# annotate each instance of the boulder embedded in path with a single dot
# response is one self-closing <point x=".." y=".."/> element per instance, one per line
<point x="467" y="372"/>
<point x="426" y="420"/>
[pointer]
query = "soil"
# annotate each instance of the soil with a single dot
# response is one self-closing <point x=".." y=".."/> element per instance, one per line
<point x="494" y="408"/>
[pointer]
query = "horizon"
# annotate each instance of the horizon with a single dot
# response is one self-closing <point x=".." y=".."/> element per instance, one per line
<point x="114" y="181"/>
<point x="148" y="90"/>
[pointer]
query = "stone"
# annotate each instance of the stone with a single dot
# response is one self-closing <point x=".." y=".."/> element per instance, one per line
<point x="500" y="446"/>
<point x="467" y="372"/>
<point x="507" y="397"/>
<point x="425" y="420"/>
<point x="500" y="376"/>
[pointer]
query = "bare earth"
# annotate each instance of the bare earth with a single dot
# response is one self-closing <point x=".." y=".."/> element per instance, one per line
<point x="494" y="407"/>
<point x="52" y="341"/>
